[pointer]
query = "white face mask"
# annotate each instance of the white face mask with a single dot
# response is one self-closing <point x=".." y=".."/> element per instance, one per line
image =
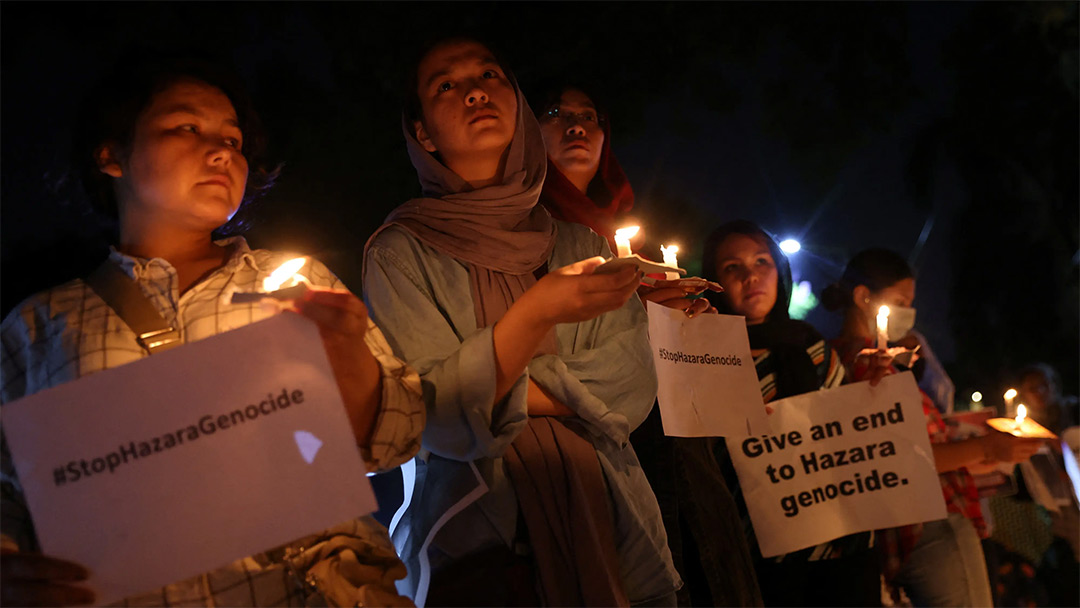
<point x="901" y="321"/>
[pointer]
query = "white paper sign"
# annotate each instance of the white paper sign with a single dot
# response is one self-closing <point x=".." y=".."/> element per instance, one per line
<point x="839" y="461"/>
<point x="187" y="460"/>
<point x="708" y="386"/>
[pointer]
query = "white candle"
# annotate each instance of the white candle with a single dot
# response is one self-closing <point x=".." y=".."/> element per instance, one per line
<point x="1009" y="396"/>
<point x="883" y="328"/>
<point x="622" y="240"/>
<point x="670" y="259"/>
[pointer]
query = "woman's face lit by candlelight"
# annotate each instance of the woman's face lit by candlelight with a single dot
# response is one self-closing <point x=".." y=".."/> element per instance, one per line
<point x="469" y="108"/>
<point x="747" y="271"/>
<point x="184" y="163"/>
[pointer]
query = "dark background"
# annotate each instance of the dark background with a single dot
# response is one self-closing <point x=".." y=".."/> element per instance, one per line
<point x="947" y="132"/>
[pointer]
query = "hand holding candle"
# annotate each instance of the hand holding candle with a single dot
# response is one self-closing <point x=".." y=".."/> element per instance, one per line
<point x="271" y="286"/>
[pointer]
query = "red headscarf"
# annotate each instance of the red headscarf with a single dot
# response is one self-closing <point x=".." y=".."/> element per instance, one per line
<point x="609" y="196"/>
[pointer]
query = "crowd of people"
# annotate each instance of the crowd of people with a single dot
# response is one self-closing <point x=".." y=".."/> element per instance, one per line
<point x="513" y="385"/>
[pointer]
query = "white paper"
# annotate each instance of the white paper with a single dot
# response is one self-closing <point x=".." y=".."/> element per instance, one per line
<point x="290" y="469"/>
<point x="708" y="386"/>
<point x="803" y="491"/>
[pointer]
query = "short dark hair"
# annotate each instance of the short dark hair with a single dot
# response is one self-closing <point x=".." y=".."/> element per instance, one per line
<point x="111" y="109"/>
<point x="877" y="269"/>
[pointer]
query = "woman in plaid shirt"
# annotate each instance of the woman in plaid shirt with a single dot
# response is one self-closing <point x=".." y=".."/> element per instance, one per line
<point x="937" y="563"/>
<point x="167" y="145"/>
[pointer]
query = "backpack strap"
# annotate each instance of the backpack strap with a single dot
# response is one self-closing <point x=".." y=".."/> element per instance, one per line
<point x="123" y="295"/>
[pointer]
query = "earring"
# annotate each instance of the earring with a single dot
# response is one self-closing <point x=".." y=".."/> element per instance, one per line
<point x="866" y="300"/>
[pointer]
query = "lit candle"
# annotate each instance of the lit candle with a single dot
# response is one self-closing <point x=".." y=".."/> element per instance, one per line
<point x="670" y="260"/>
<point x="283" y="273"/>
<point x="883" y="328"/>
<point x="1021" y="414"/>
<point x="271" y="285"/>
<point x="1009" y="396"/>
<point x="622" y="240"/>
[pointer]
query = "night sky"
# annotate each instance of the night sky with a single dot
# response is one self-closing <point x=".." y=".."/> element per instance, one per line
<point x="947" y="132"/>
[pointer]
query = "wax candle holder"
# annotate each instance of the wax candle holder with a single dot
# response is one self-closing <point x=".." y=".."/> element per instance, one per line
<point x="614" y="264"/>
<point x="1021" y="426"/>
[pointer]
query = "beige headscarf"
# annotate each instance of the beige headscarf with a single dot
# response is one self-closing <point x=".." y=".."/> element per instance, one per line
<point x="504" y="237"/>
<point x="499" y="231"/>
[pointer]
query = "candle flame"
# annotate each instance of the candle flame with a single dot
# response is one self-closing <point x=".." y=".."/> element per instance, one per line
<point x="666" y="250"/>
<point x="1010" y="394"/>
<point x="883" y="312"/>
<point x="627" y="232"/>
<point x="1021" y="413"/>
<point x="283" y="273"/>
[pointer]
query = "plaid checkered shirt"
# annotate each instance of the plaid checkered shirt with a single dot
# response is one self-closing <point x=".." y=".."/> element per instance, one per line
<point x="68" y="332"/>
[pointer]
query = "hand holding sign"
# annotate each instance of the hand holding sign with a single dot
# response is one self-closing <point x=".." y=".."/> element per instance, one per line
<point x="219" y="457"/>
<point x="343" y="321"/>
<point x="677" y="294"/>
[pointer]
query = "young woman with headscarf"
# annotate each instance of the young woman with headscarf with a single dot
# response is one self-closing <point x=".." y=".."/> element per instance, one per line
<point x="586" y="185"/>
<point x="534" y="369"/>
<point x="791" y="358"/>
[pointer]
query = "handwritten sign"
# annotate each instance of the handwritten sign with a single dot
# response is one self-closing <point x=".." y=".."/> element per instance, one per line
<point x="708" y="386"/>
<point x="185" y="461"/>
<point x="836" y="462"/>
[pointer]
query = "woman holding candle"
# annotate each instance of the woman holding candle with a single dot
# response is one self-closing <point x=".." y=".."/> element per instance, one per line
<point x="586" y="185"/>
<point x="1032" y="562"/>
<point x="1040" y="390"/>
<point x="938" y="563"/>
<point x="535" y="369"/>
<point x="164" y="149"/>
<point x="791" y="358"/>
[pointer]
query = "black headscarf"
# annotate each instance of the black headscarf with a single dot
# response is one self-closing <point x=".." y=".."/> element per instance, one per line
<point x="786" y="338"/>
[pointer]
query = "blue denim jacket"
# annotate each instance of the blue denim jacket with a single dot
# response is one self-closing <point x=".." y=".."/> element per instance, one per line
<point x="458" y="498"/>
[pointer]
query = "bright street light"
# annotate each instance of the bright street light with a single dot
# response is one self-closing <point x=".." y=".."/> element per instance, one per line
<point x="790" y="246"/>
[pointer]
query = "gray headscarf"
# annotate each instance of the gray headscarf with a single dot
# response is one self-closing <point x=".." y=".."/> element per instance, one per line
<point x="498" y="231"/>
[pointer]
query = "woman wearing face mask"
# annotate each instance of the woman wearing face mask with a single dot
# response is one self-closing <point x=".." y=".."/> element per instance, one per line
<point x="791" y="358"/>
<point x="535" y="370"/>
<point x="938" y="563"/>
